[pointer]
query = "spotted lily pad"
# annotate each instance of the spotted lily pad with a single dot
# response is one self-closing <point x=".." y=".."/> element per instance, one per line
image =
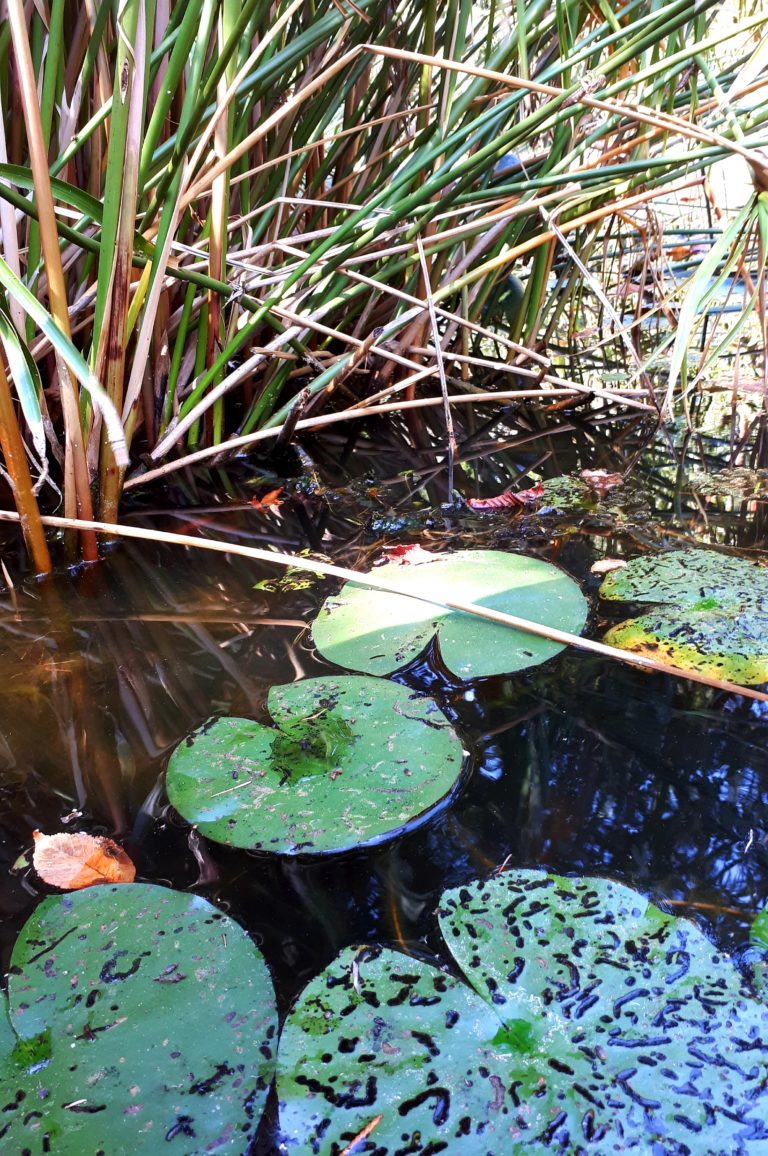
<point x="689" y="578"/>
<point x="594" y="1023"/>
<point x="351" y="762"/>
<point x="378" y="632"/>
<point x="713" y="618"/>
<point x="138" y="1019"/>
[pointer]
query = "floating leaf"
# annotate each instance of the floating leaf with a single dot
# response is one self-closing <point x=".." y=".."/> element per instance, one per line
<point x="373" y="631"/>
<point x="606" y="565"/>
<point x="687" y="578"/>
<point x="140" y="1019"/>
<point x="601" y="481"/>
<point x="721" y="644"/>
<point x="758" y="933"/>
<point x="72" y="861"/>
<point x="272" y="498"/>
<point x="567" y="493"/>
<point x="595" y="1023"/>
<point x="715" y="614"/>
<point x="351" y="762"/>
<point x="509" y="500"/>
<point x="412" y="555"/>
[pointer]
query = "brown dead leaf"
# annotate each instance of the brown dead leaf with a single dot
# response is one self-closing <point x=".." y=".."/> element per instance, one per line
<point x="601" y="481"/>
<point x="605" y="565"/>
<point x="72" y="862"/>
<point x="510" y="499"/>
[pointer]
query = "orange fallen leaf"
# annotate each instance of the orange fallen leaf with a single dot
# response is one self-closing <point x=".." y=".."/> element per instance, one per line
<point x="273" y="498"/>
<point x="75" y="861"/>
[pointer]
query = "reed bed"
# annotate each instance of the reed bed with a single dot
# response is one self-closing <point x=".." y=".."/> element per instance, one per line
<point x="224" y="223"/>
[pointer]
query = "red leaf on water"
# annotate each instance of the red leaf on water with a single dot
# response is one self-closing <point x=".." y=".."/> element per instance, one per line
<point x="407" y="555"/>
<point x="509" y="500"/>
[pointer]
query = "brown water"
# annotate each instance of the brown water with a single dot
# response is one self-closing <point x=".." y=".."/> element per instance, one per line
<point x="581" y="765"/>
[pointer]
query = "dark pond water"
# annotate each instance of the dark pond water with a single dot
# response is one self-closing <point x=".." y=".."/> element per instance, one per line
<point x="581" y="765"/>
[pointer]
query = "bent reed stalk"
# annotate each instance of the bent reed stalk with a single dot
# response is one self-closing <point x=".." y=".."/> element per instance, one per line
<point x="330" y="570"/>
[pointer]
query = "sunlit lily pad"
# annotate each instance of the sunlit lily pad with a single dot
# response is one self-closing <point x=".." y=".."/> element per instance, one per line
<point x="351" y="761"/>
<point x="375" y="632"/>
<point x="595" y="1023"/>
<point x="688" y="578"/>
<point x="138" y="1020"/>
<point x="713" y="618"/>
<point x="731" y="645"/>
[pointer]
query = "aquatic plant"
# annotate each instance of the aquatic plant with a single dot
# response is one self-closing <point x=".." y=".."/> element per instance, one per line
<point x="136" y="1016"/>
<point x="711" y="612"/>
<point x="212" y="215"/>
<point x="351" y="761"/>
<point x="585" y="1019"/>
<point x="375" y="631"/>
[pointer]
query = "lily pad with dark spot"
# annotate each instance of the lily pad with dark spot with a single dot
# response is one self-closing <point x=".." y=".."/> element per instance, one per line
<point x="594" y="1023"/>
<point x="352" y="761"/>
<point x="731" y="644"/>
<point x="378" y="633"/>
<point x="688" y="578"/>
<point x="712" y="617"/>
<point x="138" y="1020"/>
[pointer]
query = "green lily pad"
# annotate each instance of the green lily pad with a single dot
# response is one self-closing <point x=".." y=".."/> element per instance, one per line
<point x="731" y="645"/>
<point x="714" y="618"/>
<point x="758" y="934"/>
<point x="138" y="1019"/>
<point x="376" y="632"/>
<point x="594" y="1023"/>
<point x="351" y="762"/>
<point x="688" y="578"/>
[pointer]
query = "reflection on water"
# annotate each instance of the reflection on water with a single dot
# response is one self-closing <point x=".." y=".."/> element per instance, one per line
<point x="580" y="765"/>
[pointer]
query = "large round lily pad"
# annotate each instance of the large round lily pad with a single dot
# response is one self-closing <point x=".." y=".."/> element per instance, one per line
<point x="351" y="762"/>
<point x="712" y="617"/>
<point x="594" y="1024"/>
<point x="378" y="633"/>
<point x="141" y="1020"/>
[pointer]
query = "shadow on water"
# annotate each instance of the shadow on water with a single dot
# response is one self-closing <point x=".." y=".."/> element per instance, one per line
<point x="580" y="765"/>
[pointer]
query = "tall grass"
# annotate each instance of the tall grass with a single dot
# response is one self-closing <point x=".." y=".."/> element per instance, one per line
<point x="218" y="218"/>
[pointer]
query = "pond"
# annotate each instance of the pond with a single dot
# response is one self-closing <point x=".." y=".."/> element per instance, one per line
<point x="581" y="766"/>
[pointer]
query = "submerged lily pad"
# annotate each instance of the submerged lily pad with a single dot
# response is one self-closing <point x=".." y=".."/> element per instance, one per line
<point x="140" y="1019"/>
<point x="714" y="618"/>
<point x="594" y="1023"/>
<point x="377" y="632"/>
<point x="351" y="762"/>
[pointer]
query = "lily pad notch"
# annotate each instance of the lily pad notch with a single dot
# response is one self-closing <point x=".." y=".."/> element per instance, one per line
<point x="378" y="632"/>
